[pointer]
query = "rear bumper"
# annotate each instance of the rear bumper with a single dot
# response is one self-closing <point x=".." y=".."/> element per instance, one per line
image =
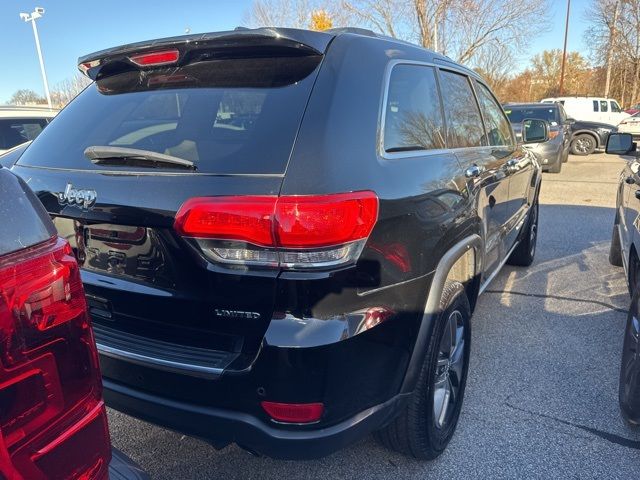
<point x="222" y="427"/>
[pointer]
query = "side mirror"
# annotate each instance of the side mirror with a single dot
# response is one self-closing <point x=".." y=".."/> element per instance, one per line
<point x="620" y="144"/>
<point x="534" y="131"/>
<point x="570" y="121"/>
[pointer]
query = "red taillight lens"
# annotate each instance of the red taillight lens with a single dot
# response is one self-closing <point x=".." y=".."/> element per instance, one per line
<point x="323" y="220"/>
<point x="553" y="134"/>
<point x="294" y="412"/>
<point x="49" y="375"/>
<point x="247" y="219"/>
<point x="152" y="59"/>
<point x="326" y="229"/>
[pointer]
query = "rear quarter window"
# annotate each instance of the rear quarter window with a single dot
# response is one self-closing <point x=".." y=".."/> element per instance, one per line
<point x="413" y="114"/>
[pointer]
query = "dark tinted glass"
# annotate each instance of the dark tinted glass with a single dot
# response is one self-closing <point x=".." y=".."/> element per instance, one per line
<point x="413" y="116"/>
<point x="595" y="105"/>
<point x="498" y="128"/>
<point x="615" y="107"/>
<point x="16" y="131"/>
<point x="603" y="106"/>
<point x="464" y="124"/>
<point x="518" y="114"/>
<point x="225" y="116"/>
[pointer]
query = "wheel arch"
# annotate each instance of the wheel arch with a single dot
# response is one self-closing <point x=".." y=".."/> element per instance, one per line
<point x="463" y="263"/>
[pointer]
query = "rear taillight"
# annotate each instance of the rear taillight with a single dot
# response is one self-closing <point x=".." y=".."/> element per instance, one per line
<point x="553" y="134"/>
<point x="52" y="418"/>
<point x="307" y="231"/>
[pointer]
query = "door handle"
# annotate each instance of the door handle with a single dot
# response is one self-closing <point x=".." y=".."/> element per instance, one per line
<point x="629" y="180"/>
<point x="474" y="171"/>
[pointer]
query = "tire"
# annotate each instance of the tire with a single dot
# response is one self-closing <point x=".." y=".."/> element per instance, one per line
<point x="427" y="423"/>
<point x="525" y="252"/>
<point x="557" y="165"/>
<point x="629" y="386"/>
<point x="615" y="249"/>
<point x="583" y="144"/>
<point x="565" y="157"/>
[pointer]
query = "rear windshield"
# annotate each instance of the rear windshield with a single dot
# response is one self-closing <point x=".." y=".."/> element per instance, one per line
<point x="235" y="116"/>
<point x="518" y="115"/>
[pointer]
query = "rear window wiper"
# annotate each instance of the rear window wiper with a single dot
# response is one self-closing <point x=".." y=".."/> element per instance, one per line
<point x="133" y="157"/>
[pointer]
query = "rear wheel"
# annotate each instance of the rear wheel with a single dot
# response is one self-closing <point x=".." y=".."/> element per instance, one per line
<point x="426" y="425"/>
<point x="583" y="144"/>
<point x="565" y="157"/>
<point x="525" y="252"/>
<point x="629" y="389"/>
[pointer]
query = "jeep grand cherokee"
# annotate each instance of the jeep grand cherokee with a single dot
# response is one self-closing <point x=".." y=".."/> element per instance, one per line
<point x="283" y="233"/>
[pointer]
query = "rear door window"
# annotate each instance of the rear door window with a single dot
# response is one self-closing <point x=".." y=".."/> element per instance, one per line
<point x="596" y="106"/>
<point x="464" y="123"/>
<point x="498" y="128"/>
<point x="228" y="117"/>
<point x="16" y="131"/>
<point x="413" y="114"/>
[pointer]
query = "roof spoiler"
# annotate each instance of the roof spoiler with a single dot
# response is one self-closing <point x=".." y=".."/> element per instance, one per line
<point x="210" y="45"/>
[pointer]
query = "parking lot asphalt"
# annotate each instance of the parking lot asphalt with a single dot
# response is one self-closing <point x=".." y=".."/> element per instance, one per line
<point x="541" y="399"/>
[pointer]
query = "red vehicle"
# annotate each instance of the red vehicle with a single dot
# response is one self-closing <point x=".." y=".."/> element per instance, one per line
<point x="53" y="422"/>
<point x="633" y="109"/>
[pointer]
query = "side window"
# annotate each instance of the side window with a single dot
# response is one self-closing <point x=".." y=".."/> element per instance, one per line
<point x="595" y="106"/>
<point x="615" y="107"/>
<point x="498" y="129"/>
<point x="413" y="114"/>
<point x="464" y="124"/>
<point x="15" y="132"/>
<point x="563" y="114"/>
<point x="603" y="106"/>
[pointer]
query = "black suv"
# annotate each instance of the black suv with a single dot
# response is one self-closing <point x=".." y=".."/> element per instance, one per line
<point x="283" y="233"/>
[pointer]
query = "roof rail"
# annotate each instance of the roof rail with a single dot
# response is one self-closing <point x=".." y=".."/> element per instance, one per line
<point x="356" y="30"/>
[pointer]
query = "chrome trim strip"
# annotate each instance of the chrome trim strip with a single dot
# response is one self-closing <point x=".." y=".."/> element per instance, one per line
<point x="159" y="363"/>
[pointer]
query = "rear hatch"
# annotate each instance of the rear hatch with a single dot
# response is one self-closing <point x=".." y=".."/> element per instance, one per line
<point x="225" y="112"/>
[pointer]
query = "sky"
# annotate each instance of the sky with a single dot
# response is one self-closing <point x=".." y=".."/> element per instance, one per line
<point x="72" y="28"/>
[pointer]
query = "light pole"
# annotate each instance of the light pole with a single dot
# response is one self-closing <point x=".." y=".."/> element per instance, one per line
<point x="564" y="50"/>
<point x="37" y="13"/>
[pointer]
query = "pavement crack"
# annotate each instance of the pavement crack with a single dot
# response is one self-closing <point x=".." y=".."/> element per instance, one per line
<point x="609" y="437"/>
<point x="560" y="297"/>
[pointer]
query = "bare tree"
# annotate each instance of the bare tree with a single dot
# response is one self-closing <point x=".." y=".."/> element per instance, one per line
<point x="285" y="13"/>
<point x="26" y="96"/>
<point x="460" y="28"/>
<point x="68" y="89"/>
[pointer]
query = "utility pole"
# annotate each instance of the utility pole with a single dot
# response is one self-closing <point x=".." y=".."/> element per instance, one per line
<point x="37" y="13"/>
<point x="612" y="39"/>
<point x="564" y="51"/>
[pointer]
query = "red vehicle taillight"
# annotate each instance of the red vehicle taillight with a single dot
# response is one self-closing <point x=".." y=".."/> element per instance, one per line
<point x="52" y="419"/>
<point x="553" y="134"/>
<point x="306" y="231"/>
